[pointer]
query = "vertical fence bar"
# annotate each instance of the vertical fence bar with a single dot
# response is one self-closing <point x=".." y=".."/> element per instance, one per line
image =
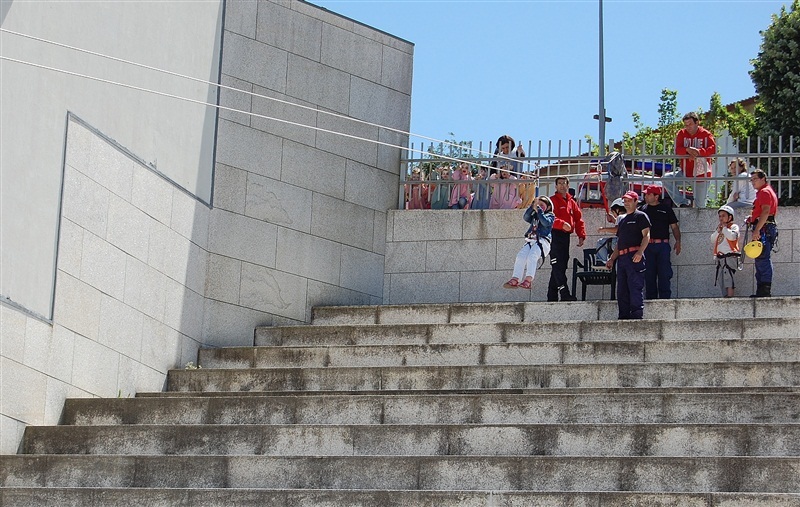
<point x="791" y="166"/>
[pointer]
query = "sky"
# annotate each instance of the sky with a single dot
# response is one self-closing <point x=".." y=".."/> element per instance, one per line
<point x="530" y="68"/>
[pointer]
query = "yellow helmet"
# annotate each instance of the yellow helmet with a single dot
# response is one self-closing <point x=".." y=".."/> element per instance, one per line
<point x="753" y="249"/>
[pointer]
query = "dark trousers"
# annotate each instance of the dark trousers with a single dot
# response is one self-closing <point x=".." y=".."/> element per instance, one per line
<point x="559" y="258"/>
<point x="630" y="286"/>
<point x="658" y="276"/>
<point x="763" y="263"/>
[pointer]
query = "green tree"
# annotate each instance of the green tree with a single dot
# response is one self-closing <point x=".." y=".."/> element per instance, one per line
<point x="776" y="76"/>
<point x="776" y="73"/>
<point x="443" y="152"/>
<point x="661" y="140"/>
<point x="739" y="123"/>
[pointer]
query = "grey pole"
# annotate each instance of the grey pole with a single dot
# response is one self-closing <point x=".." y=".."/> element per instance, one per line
<point x="601" y="117"/>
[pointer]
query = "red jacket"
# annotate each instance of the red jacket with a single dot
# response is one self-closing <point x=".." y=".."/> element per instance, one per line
<point x="703" y="140"/>
<point x="567" y="211"/>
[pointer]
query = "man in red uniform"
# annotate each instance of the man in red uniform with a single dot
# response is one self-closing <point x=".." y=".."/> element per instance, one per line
<point x="695" y="145"/>
<point x="568" y="219"/>
<point x="765" y="229"/>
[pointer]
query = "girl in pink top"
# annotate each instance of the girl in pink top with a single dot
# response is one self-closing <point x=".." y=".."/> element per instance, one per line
<point x="504" y="196"/>
<point x="462" y="193"/>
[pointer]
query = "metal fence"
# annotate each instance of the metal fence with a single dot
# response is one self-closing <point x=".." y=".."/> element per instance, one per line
<point x="778" y="157"/>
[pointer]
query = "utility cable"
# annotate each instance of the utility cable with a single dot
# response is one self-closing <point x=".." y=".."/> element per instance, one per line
<point x="225" y="108"/>
<point x="252" y="94"/>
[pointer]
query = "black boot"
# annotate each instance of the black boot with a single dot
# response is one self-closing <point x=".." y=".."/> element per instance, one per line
<point x="566" y="296"/>
<point x="763" y="290"/>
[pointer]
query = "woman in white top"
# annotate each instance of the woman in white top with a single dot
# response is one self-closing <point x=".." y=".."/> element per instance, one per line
<point x="742" y="194"/>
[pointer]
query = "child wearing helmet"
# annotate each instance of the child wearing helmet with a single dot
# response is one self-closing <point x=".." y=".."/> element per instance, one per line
<point x="617" y="209"/>
<point x="606" y="244"/>
<point x="725" y="246"/>
<point x="537" y="243"/>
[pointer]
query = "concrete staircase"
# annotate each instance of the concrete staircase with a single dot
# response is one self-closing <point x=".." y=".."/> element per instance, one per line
<point x="442" y="405"/>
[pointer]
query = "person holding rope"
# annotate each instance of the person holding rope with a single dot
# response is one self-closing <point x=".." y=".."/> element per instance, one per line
<point x="725" y="246"/>
<point x="633" y="237"/>
<point x="537" y="243"/>
<point x="765" y="229"/>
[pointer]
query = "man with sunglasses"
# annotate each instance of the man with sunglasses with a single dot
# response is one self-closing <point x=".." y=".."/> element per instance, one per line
<point x="765" y="229"/>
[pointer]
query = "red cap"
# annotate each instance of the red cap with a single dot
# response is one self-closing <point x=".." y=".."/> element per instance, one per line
<point x="631" y="195"/>
<point x="653" y="189"/>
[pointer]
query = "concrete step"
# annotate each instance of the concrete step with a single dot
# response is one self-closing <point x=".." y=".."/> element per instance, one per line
<point x="583" y="331"/>
<point x="419" y="440"/>
<point x="516" y="473"/>
<point x="487" y="377"/>
<point x="667" y="406"/>
<point x="224" y="497"/>
<point x="466" y="354"/>
<point x="670" y="309"/>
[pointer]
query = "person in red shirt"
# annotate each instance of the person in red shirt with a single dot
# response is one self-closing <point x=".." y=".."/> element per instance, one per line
<point x="765" y="229"/>
<point x="569" y="219"/>
<point x="695" y="145"/>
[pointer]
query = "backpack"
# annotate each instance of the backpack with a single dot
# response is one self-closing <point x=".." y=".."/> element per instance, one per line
<point x="615" y="186"/>
<point x="605" y="247"/>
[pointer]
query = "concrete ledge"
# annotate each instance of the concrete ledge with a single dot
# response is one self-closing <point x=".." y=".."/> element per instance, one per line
<point x="428" y="378"/>
<point x="608" y="330"/>
<point x="662" y="309"/>
<point x="520" y="353"/>
<point x="419" y="440"/>
<point x="432" y="230"/>
<point x="704" y="406"/>
<point x="527" y="473"/>
<point x="166" y="497"/>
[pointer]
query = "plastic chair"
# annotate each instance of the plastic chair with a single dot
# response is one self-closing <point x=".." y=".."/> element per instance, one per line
<point x="592" y="273"/>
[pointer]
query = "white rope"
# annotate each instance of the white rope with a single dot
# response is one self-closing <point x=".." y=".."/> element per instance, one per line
<point x="225" y="108"/>
<point x="252" y="94"/>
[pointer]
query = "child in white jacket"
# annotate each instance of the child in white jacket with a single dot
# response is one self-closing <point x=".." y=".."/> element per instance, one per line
<point x="725" y="246"/>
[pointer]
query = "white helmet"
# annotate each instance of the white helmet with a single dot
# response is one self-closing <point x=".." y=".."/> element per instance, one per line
<point x="618" y="202"/>
<point x="727" y="209"/>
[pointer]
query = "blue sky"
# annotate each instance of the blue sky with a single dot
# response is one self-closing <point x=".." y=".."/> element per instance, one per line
<point x="530" y="68"/>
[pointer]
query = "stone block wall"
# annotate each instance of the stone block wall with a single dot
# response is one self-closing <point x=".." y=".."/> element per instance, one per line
<point x="299" y="216"/>
<point x="130" y="283"/>
<point x="146" y="272"/>
<point x="443" y="256"/>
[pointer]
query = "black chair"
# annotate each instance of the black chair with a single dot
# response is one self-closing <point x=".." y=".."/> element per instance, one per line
<point x="592" y="273"/>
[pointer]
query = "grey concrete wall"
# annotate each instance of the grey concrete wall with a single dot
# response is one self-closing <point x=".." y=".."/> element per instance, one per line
<point x="173" y="135"/>
<point x="299" y="214"/>
<point x="443" y="256"/>
<point x="146" y="271"/>
<point x="129" y="287"/>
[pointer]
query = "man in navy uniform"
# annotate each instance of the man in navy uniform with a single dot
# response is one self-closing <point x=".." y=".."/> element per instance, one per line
<point x="633" y="236"/>
<point x="658" y="277"/>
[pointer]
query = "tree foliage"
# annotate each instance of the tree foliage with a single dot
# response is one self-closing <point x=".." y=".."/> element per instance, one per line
<point x="659" y="140"/>
<point x="776" y="74"/>
<point x="443" y="152"/>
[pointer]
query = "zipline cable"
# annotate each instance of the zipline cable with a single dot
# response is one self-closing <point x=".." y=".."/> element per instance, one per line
<point x="252" y="94"/>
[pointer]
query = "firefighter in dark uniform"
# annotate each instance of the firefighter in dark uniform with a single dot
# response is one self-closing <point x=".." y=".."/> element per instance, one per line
<point x="658" y="277"/>
<point x="633" y="237"/>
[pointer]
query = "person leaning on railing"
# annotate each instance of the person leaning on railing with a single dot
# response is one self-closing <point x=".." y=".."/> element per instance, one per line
<point x="440" y="192"/>
<point x="504" y="195"/>
<point x="461" y="195"/>
<point x="416" y="193"/>
<point x="480" y="190"/>
<point x="742" y="194"/>
<point x="695" y="145"/>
